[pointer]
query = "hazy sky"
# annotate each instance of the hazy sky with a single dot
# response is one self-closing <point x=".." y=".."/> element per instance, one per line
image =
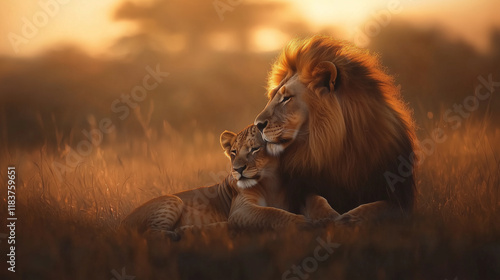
<point x="89" y="23"/>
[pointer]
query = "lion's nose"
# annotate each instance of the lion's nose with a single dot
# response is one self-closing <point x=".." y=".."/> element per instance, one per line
<point x="262" y="125"/>
<point x="240" y="170"/>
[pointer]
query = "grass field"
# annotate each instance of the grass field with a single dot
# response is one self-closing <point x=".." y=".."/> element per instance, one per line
<point x="67" y="228"/>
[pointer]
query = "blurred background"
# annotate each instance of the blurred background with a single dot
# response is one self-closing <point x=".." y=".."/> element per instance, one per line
<point x="66" y="65"/>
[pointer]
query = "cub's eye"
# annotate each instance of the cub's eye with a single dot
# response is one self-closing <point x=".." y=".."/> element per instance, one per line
<point x="285" y="99"/>
<point x="254" y="150"/>
<point x="233" y="154"/>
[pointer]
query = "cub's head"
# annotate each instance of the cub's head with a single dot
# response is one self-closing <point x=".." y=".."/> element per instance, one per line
<point x="249" y="159"/>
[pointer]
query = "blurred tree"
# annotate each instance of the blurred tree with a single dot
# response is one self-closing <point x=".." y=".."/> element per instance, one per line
<point x="208" y="80"/>
<point x="195" y="23"/>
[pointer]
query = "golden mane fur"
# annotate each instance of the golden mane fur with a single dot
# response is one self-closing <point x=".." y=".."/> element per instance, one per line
<point x="360" y="133"/>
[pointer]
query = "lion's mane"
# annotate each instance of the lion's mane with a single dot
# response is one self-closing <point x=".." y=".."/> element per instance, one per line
<point x="361" y="135"/>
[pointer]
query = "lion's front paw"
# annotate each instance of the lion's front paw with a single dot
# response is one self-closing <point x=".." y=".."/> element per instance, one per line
<point x="348" y="220"/>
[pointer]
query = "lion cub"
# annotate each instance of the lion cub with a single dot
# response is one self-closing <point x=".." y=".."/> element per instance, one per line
<point x="251" y="197"/>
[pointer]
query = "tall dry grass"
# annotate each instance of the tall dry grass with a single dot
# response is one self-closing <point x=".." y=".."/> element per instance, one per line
<point x="67" y="228"/>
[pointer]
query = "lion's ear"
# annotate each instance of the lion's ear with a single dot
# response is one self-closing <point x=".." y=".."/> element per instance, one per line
<point x="325" y="75"/>
<point x="227" y="140"/>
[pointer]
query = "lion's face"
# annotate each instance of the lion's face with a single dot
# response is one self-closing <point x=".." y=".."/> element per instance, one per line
<point x="288" y="112"/>
<point x="249" y="160"/>
<point x="284" y="115"/>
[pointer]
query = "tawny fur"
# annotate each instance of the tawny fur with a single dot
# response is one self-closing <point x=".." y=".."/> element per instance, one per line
<point x="263" y="205"/>
<point x="352" y="126"/>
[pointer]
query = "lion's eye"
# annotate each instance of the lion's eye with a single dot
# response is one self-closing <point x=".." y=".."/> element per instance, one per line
<point x="233" y="154"/>
<point x="285" y="99"/>
<point x="254" y="150"/>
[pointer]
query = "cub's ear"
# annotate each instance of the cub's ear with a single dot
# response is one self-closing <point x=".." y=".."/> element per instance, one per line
<point x="226" y="141"/>
<point x="325" y="75"/>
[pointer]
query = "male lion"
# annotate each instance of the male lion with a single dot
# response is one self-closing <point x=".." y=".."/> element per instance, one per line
<point x="251" y="197"/>
<point x="342" y="131"/>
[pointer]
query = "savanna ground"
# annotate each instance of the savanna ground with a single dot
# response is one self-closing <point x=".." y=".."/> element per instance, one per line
<point x="67" y="229"/>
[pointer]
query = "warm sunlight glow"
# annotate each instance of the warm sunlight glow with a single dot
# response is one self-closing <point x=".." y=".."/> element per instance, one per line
<point x="174" y="43"/>
<point x="35" y="26"/>
<point x="362" y="20"/>
<point x="32" y="27"/>
<point x="324" y="12"/>
<point x="268" y="39"/>
<point x="222" y="41"/>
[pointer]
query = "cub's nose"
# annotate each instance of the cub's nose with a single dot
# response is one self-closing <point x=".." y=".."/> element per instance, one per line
<point x="240" y="170"/>
<point x="262" y="125"/>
